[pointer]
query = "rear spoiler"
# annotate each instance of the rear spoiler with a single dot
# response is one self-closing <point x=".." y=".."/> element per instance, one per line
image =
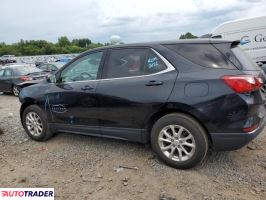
<point x="234" y="43"/>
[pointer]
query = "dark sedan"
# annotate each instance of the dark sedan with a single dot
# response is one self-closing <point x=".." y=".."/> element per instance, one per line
<point x="11" y="76"/>
<point x="45" y="67"/>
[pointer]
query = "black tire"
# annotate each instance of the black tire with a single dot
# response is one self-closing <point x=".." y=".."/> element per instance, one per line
<point x="45" y="133"/>
<point x="200" y="140"/>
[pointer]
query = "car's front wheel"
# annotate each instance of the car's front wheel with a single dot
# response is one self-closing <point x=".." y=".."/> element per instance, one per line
<point x="35" y="123"/>
<point x="179" y="140"/>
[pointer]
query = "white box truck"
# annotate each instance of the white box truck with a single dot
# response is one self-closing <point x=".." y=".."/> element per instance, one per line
<point x="251" y="33"/>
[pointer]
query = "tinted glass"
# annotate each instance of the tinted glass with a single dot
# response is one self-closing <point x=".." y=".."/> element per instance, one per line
<point x="48" y="67"/>
<point x="24" y="70"/>
<point x="237" y="56"/>
<point x="2" y="72"/>
<point x="154" y="64"/>
<point x="225" y="49"/>
<point x="52" y="67"/>
<point x="85" y="68"/>
<point x="205" y="55"/>
<point x="8" y="72"/>
<point x="245" y="59"/>
<point x="43" y="67"/>
<point x="126" y="63"/>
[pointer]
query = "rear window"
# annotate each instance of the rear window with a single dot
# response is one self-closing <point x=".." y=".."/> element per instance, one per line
<point x="245" y="59"/>
<point x="205" y="55"/>
<point x="24" y="70"/>
<point x="237" y="56"/>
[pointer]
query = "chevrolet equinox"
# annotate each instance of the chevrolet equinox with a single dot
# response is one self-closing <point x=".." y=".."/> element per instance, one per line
<point x="184" y="97"/>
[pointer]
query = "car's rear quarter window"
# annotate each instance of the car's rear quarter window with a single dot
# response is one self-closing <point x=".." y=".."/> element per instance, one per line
<point x="205" y="55"/>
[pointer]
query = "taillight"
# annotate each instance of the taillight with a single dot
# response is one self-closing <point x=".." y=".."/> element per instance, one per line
<point x="251" y="128"/>
<point x="25" y="78"/>
<point x="243" y="83"/>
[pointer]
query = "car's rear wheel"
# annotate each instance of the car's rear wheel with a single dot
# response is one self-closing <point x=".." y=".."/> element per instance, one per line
<point x="179" y="140"/>
<point x="35" y="123"/>
<point x="15" y="90"/>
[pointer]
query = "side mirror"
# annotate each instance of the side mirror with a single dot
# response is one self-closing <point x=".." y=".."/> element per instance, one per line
<point x="51" y="78"/>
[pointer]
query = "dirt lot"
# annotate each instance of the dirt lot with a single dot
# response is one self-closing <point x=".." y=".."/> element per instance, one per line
<point x="83" y="167"/>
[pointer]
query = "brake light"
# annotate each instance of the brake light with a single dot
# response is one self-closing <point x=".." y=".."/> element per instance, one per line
<point x="250" y="129"/>
<point x="25" y="78"/>
<point x="243" y="83"/>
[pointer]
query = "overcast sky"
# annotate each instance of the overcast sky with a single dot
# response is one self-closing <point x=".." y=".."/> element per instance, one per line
<point x="133" y="20"/>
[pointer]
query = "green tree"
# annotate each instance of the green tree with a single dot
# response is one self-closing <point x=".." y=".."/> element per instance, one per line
<point x="188" y="35"/>
<point x="83" y="42"/>
<point x="42" y="47"/>
<point x="63" y="41"/>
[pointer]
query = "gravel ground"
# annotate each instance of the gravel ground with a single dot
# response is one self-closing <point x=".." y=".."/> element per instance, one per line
<point x="83" y="167"/>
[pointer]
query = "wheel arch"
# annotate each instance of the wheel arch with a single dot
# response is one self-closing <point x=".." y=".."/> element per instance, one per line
<point x="24" y="105"/>
<point x="184" y="109"/>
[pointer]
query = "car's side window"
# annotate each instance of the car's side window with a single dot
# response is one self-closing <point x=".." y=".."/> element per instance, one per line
<point x="43" y="67"/>
<point x="154" y="64"/>
<point x="52" y="67"/>
<point x="126" y="62"/>
<point x="8" y="73"/>
<point x="85" y="68"/>
<point x="2" y="72"/>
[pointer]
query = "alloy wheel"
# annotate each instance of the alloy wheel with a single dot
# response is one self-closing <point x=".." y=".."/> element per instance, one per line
<point x="176" y="143"/>
<point x="34" y="124"/>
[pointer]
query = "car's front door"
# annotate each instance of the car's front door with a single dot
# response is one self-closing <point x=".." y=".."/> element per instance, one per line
<point x="71" y="102"/>
<point x="135" y="83"/>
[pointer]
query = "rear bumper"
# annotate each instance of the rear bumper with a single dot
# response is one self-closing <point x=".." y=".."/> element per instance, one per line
<point x="233" y="141"/>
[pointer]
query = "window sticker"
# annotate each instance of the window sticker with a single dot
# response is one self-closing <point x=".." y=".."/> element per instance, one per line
<point x="153" y="63"/>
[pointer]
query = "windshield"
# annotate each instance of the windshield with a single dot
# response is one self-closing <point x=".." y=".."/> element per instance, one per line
<point x="24" y="70"/>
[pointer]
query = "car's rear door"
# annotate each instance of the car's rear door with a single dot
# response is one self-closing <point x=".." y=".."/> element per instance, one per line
<point x="135" y="83"/>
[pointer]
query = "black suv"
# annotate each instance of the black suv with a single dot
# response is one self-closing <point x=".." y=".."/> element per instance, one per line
<point x="183" y="97"/>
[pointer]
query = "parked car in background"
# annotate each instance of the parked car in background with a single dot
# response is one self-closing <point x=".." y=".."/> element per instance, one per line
<point x="64" y="59"/>
<point x="48" y="67"/>
<point x="184" y="97"/>
<point x="7" y="59"/>
<point x="37" y="63"/>
<point x="12" y="75"/>
<point x="58" y="64"/>
<point x="45" y="67"/>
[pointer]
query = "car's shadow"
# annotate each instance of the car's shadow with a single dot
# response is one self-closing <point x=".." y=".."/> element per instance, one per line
<point x="213" y="161"/>
<point x="6" y="94"/>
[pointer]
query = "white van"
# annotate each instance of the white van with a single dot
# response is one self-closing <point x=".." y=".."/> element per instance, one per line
<point x="251" y="33"/>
